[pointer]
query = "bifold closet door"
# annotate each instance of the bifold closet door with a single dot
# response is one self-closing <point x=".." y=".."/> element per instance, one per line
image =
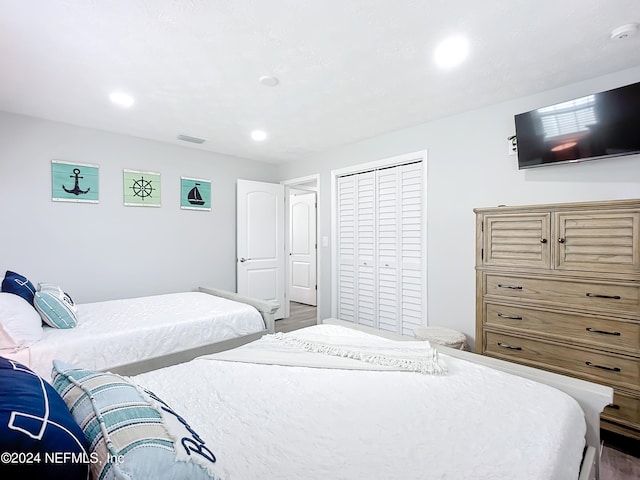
<point x="356" y="248"/>
<point x="380" y="237"/>
<point x="399" y="241"/>
<point x="411" y="276"/>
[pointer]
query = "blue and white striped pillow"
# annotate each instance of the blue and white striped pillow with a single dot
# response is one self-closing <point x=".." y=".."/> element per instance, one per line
<point x="56" y="307"/>
<point x="133" y="433"/>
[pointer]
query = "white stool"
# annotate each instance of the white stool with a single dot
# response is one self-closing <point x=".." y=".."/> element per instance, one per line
<point x="442" y="336"/>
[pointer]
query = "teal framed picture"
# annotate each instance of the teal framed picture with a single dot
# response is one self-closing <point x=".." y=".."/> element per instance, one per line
<point x="141" y="189"/>
<point x="74" y="182"/>
<point x="195" y="194"/>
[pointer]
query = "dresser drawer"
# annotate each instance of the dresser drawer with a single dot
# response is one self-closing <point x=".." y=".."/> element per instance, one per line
<point x="612" y="297"/>
<point x="600" y="367"/>
<point x="602" y="331"/>
<point x="625" y="409"/>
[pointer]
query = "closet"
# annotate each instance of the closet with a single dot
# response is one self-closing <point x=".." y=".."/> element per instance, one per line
<point x="380" y="244"/>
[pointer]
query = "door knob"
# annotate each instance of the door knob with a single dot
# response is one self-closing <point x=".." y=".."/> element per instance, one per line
<point x="242" y="260"/>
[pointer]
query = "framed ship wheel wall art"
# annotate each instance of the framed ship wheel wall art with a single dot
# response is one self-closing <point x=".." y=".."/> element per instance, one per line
<point x="141" y="189"/>
<point x="74" y="182"/>
<point x="195" y="194"/>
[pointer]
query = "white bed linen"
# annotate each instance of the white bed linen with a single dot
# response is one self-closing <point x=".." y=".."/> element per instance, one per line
<point x="292" y="422"/>
<point x="119" y="332"/>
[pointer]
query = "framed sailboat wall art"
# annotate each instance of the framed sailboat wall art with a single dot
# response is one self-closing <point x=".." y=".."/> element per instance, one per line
<point x="74" y="182"/>
<point x="195" y="194"/>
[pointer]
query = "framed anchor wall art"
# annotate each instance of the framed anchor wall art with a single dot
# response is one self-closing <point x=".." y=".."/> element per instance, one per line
<point x="74" y="182"/>
<point x="195" y="194"/>
<point x="141" y="189"/>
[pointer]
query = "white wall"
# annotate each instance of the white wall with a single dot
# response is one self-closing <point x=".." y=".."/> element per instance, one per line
<point x="468" y="166"/>
<point x="106" y="250"/>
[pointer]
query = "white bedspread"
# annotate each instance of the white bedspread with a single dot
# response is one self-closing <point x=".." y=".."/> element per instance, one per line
<point x="120" y="332"/>
<point x="294" y="422"/>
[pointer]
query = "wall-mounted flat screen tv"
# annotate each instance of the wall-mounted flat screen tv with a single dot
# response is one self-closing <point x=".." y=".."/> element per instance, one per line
<point x="602" y="125"/>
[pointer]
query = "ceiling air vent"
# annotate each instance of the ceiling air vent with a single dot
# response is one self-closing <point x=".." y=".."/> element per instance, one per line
<point x="188" y="138"/>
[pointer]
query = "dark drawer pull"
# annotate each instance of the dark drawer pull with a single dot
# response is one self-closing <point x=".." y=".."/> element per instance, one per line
<point x="595" y="295"/>
<point x="513" y="287"/>
<point x="593" y="330"/>
<point x="615" y="406"/>
<point x="610" y="369"/>
<point x="510" y="347"/>
<point x="510" y="317"/>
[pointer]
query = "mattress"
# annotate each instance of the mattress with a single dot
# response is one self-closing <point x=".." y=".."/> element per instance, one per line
<point x="284" y="420"/>
<point x="119" y="332"/>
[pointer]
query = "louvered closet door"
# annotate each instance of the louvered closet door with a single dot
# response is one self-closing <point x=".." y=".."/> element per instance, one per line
<point x="365" y="249"/>
<point x="356" y="249"/>
<point x="412" y="305"/>
<point x="346" y="239"/>
<point x="400" y="248"/>
<point x="380" y="281"/>
<point x="388" y="237"/>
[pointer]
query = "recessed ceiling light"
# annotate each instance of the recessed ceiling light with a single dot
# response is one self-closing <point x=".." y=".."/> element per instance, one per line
<point x="258" y="135"/>
<point x="451" y="52"/>
<point x="121" y="99"/>
<point x="268" y="81"/>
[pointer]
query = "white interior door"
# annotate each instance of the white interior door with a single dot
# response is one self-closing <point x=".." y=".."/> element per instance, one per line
<point x="260" y="242"/>
<point x="302" y="241"/>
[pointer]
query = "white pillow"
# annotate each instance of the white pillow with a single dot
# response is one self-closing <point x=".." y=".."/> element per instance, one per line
<point x="21" y="324"/>
<point x="6" y="342"/>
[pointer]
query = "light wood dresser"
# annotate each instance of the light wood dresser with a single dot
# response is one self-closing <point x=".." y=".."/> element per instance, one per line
<point x="558" y="288"/>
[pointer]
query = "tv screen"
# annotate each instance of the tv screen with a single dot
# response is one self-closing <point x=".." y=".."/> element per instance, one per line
<point x="601" y="125"/>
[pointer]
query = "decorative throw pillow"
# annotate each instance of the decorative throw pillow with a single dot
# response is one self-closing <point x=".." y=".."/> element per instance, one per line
<point x="132" y="433"/>
<point x="18" y="284"/>
<point x="55" y="306"/>
<point x="50" y="287"/>
<point x="38" y="436"/>
<point x="21" y="324"/>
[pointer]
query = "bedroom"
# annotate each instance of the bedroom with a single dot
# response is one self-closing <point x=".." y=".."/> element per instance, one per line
<point x="106" y="251"/>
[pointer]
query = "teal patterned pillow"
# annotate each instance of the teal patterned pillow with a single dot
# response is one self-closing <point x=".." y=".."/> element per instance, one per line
<point x="132" y="433"/>
<point x="55" y="309"/>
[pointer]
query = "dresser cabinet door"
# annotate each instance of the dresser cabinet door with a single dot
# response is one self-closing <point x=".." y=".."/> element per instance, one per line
<point x="520" y="240"/>
<point x="598" y="241"/>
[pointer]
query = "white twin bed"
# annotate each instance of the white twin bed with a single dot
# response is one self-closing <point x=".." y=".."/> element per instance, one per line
<point x="138" y="334"/>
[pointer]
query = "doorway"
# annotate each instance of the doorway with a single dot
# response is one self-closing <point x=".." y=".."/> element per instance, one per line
<point x="302" y="250"/>
<point x="302" y="247"/>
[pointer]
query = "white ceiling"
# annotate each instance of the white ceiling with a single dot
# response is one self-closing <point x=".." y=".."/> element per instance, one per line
<point x="348" y="69"/>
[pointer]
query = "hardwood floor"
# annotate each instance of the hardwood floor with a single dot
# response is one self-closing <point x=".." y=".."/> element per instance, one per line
<point x="300" y="316"/>
<point x="620" y="456"/>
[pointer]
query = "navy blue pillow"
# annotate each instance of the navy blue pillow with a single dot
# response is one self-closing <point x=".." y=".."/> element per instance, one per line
<point x="16" y="283"/>
<point x="38" y="436"/>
